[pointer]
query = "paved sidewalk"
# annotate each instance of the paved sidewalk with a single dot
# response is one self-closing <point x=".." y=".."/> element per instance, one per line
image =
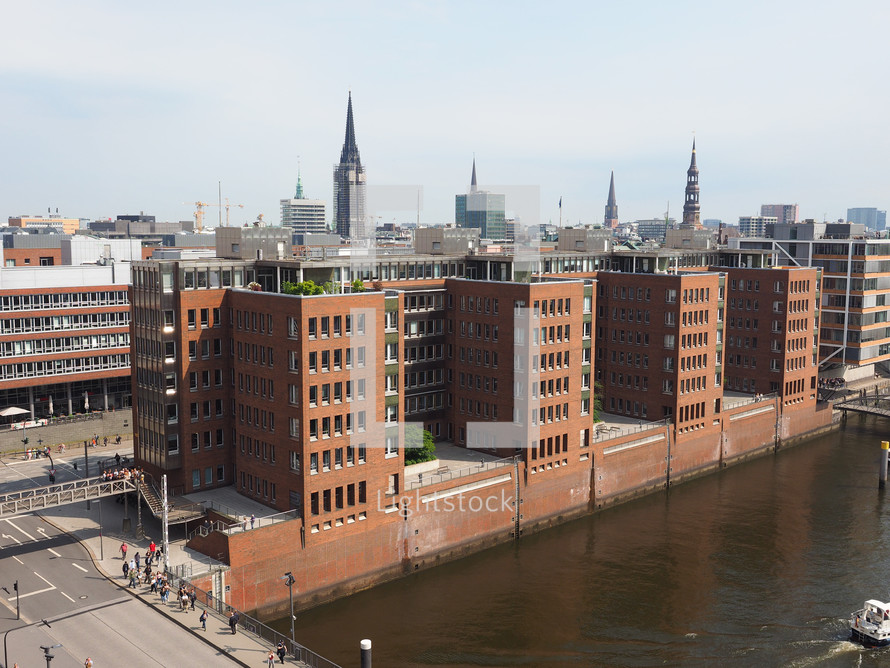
<point x="244" y="648"/>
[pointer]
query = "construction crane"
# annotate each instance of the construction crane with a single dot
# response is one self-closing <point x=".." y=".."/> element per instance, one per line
<point x="199" y="212"/>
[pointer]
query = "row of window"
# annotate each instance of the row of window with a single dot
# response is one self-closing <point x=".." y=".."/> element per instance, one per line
<point x="481" y="409"/>
<point x="357" y="353"/>
<point x="424" y="327"/>
<point x="628" y="407"/>
<point x="332" y="392"/>
<point x="260" y="386"/>
<point x="251" y="484"/>
<point x="636" y="381"/>
<point x="424" y="402"/>
<point x="347" y="456"/>
<point x="255" y="417"/>
<point x="64" y="366"/>
<point x="35" y="302"/>
<point x="257" y="448"/>
<point x="191" y="318"/>
<point x="330" y="326"/>
<point x="64" y="344"/>
<point x="552" y="445"/>
<point x="477" y="356"/>
<point x="486" y="332"/>
<point x="337" y="423"/>
<point x="637" y="360"/>
<point x="66" y="322"/>
<point x="487" y="305"/>
<point x="338" y="498"/>
<point x="640" y="294"/>
<point x="251" y="321"/>
<point x="251" y="352"/>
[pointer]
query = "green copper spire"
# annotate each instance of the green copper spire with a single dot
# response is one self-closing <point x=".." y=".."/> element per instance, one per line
<point x="299" y="194"/>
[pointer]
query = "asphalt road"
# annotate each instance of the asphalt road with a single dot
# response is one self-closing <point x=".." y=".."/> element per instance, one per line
<point x="88" y="615"/>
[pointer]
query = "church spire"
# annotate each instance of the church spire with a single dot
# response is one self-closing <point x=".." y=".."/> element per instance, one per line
<point x="473" y="177"/>
<point x="299" y="194"/>
<point x="691" y="207"/>
<point x="350" y="154"/>
<point x="610" y="219"/>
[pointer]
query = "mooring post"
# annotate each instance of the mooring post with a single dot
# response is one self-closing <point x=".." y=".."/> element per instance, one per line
<point x="885" y="450"/>
<point x="366" y="653"/>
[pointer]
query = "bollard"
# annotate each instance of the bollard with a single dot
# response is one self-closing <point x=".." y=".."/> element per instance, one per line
<point x="885" y="451"/>
<point x="366" y="653"/>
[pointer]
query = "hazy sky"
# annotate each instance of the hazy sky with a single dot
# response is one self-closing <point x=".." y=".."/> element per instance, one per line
<point x="111" y="108"/>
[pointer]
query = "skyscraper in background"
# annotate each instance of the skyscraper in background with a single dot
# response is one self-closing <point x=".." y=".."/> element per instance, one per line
<point x="783" y="213"/>
<point x="301" y="214"/>
<point x="481" y="209"/>
<point x="868" y="216"/>
<point x="349" y="186"/>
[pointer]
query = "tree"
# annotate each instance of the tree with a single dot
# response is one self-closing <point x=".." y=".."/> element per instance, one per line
<point x="301" y="288"/>
<point x="358" y="285"/>
<point x="415" y="436"/>
<point x="597" y="401"/>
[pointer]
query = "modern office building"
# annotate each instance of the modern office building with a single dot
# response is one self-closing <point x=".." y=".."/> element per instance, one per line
<point x="350" y="186"/>
<point x="64" y="339"/>
<point x="783" y="213"/>
<point x="871" y="217"/>
<point x="854" y="332"/>
<point x="654" y="229"/>
<point x="757" y="226"/>
<point x="303" y="215"/>
<point x="482" y="210"/>
<point x="56" y="222"/>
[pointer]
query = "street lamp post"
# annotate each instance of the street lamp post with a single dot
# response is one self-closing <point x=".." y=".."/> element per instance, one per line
<point x="289" y="581"/>
<point x="49" y="657"/>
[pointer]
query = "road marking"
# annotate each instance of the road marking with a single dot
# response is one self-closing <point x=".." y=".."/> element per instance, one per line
<point x="17" y="559"/>
<point x="44" y="579"/>
<point x="6" y="535"/>
<point x="18" y="528"/>
<point x="68" y="597"/>
<point x="49" y="549"/>
<point x="31" y="593"/>
<point x="80" y="567"/>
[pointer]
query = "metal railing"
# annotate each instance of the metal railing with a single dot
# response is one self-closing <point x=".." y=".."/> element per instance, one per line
<point x="435" y="477"/>
<point x="61" y="494"/>
<point x="249" y="523"/>
<point x="254" y="626"/>
<point x="602" y="432"/>
<point x="735" y="402"/>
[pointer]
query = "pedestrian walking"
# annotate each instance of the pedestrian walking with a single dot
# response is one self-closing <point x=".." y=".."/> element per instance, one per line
<point x="136" y="559"/>
<point x="271" y="662"/>
<point x="203" y="620"/>
<point x="252" y="520"/>
<point x="233" y="621"/>
<point x="126" y="568"/>
<point x="117" y="458"/>
<point x="86" y="664"/>
<point x="282" y="650"/>
<point x="105" y="442"/>
<point x="193" y="596"/>
<point x="152" y="547"/>
<point x="124" y="551"/>
<point x="133" y="574"/>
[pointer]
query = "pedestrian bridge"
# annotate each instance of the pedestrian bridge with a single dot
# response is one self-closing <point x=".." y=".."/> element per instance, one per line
<point x="61" y="494"/>
<point x="875" y="404"/>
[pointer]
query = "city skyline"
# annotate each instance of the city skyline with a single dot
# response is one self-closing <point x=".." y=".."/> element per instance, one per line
<point x="99" y="126"/>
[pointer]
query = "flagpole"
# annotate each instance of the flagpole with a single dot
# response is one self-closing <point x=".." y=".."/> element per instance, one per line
<point x="560" y="212"/>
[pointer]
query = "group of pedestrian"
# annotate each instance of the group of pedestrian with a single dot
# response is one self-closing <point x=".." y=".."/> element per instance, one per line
<point x="123" y="474"/>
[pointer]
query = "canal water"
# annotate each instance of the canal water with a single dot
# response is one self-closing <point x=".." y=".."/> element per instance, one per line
<point x="758" y="565"/>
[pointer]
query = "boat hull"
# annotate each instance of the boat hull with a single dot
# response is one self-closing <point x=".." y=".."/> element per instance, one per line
<point x="856" y="635"/>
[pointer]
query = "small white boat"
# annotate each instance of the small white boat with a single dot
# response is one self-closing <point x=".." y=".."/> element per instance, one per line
<point x="871" y="625"/>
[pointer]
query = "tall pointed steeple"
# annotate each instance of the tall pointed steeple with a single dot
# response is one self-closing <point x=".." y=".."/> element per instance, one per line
<point x="610" y="219"/>
<point x="691" y="206"/>
<point x="299" y="193"/>
<point x="349" y="185"/>
<point x="350" y="148"/>
<point x="473" y="177"/>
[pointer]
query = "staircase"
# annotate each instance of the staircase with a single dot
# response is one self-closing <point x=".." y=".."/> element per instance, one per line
<point x="152" y="497"/>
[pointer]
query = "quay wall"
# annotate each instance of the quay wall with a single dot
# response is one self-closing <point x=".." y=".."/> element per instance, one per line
<point x="422" y="527"/>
